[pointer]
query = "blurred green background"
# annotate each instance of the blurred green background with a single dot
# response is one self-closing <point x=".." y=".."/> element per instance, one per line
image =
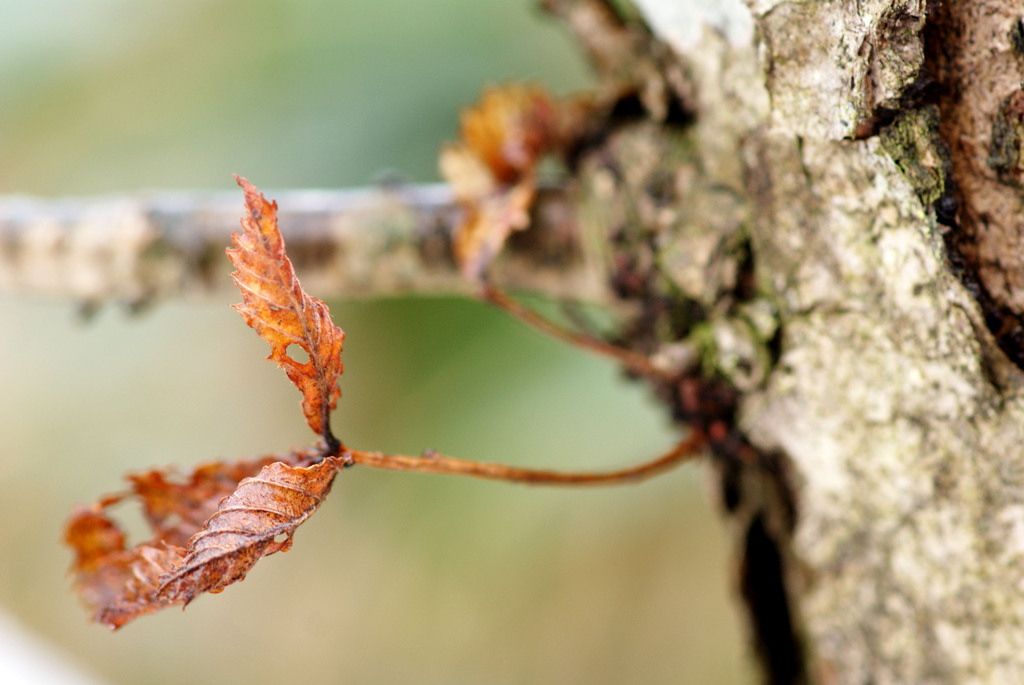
<point x="399" y="578"/>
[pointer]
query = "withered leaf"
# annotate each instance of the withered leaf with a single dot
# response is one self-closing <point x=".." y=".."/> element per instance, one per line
<point x="211" y="527"/>
<point x="251" y="503"/>
<point x="258" y="519"/>
<point x="138" y="594"/>
<point x="102" y="565"/>
<point x="492" y="169"/>
<point x="176" y="508"/>
<point x="116" y="584"/>
<point x="509" y="129"/>
<point x="276" y="307"/>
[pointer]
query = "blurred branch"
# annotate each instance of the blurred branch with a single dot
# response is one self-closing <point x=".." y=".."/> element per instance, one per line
<point x="387" y="240"/>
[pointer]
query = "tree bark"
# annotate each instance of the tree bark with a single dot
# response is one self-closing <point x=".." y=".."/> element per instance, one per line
<point x="866" y="157"/>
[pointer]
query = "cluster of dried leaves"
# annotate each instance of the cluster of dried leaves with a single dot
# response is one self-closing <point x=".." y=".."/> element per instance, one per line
<point x="208" y="531"/>
<point x="211" y="526"/>
<point x="493" y="168"/>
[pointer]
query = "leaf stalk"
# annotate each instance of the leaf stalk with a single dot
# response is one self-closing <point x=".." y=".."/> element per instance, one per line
<point x="431" y="462"/>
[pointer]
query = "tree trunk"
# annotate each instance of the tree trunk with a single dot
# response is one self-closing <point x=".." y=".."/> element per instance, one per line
<point x="839" y="205"/>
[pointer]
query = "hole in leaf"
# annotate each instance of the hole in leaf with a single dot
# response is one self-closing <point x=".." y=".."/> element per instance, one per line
<point x="298" y="354"/>
<point x="130" y="518"/>
<point x="173" y="520"/>
<point x="280" y="538"/>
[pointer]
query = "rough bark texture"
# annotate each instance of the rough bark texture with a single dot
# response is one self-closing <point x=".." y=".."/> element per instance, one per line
<point x="881" y="522"/>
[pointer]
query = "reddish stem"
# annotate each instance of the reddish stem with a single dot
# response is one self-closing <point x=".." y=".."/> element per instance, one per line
<point x="637" y="363"/>
<point x="436" y="463"/>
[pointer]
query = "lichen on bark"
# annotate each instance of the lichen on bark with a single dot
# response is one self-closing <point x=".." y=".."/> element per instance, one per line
<point x="912" y="141"/>
<point x="897" y="418"/>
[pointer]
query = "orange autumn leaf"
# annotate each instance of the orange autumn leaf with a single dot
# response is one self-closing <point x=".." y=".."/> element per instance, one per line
<point x="210" y="527"/>
<point x="258" y="518"/>
<point x="138" y="594"/>
<point x="116" y="584"/>
<point x="177" y="508"/>
<point x="487" y="223"/>
<point x="492" y="169"/>
<point x="102" y="565"/>
<point x="509" y="129"/>
<point x="276" y="307"/>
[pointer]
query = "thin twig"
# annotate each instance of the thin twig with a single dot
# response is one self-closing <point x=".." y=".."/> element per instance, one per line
<point x="436" y="463"/>
<point x="386" y="240"/>
<point x="632" y="361"/>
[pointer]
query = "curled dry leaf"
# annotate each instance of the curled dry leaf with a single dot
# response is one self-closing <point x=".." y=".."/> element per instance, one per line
<point x="212" y="526"/>
<point x="492" y="169"/>
<point x="258" y="519"/>
<point x="137" y="596"/>
<point x="177" y="508"/>
<point x="102" y="565"/>
<point x="509" y="129"/>
<point x="115" y="584"/>
<point x="251" y="505"/>
<point x="112" y="579"/>
<point x="276" y="307"/>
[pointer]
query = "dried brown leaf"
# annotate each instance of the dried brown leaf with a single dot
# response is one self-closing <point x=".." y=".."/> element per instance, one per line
<point x="487" y="223"/>
<point x="248" y="504"/>
<point x="492" y="170"/>
<point x="176" y="508"/>
<point x="138" y="594"/>
<point x="509" y="129"/>
<point x="113" y="582"/>
<point x="212" y="526"/>
<point x="276" y="307"/>
<point x="102" y="564"/>
<point x="259" y="519"/>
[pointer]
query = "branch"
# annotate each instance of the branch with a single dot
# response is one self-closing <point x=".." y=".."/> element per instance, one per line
<point x="432" y="462"/>
<point x="379" y="241"/>
<point x="635" y="362"/>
